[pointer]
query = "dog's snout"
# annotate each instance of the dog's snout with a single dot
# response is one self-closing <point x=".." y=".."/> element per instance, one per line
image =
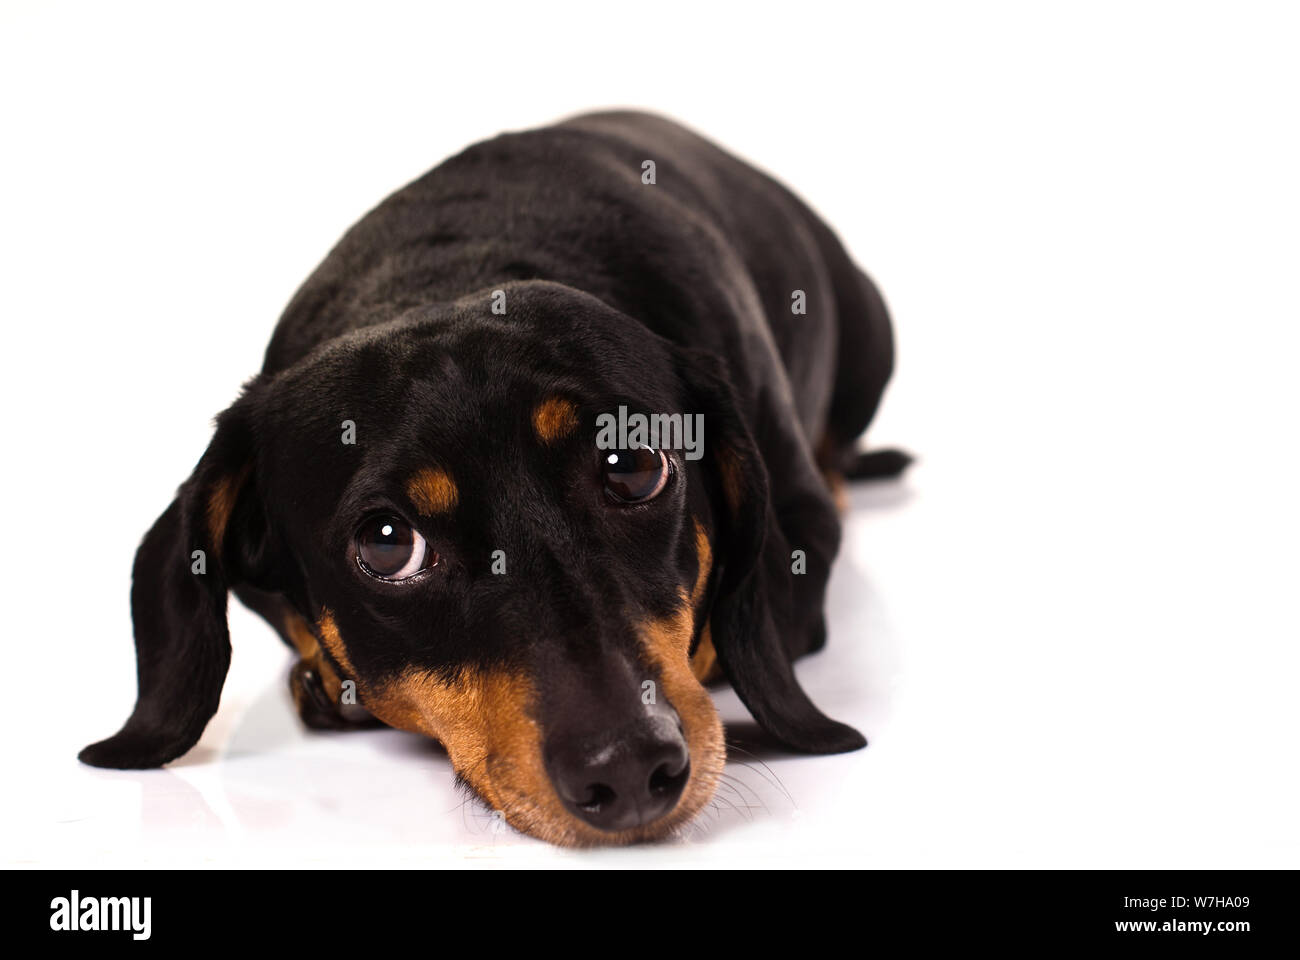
<point x="625" y="779"/>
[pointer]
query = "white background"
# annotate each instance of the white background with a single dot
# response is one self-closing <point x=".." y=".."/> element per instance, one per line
<point x="1070" y="634"/>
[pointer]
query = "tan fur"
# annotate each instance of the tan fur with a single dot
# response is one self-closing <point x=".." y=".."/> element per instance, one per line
<point x="704" y="662"/>
<point x="667" y="644"/>
<point x="304" y="640"/>
<point x="328" y="632"/>
<point x="221" y="503"/>
<point x="433" y="491"/>
<point x="839" y="490"/>
<point x="554" y="418"/>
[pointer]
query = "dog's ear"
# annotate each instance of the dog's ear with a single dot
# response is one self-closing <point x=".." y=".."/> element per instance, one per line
<point x="753" y="602"/>
<point x="210" y="537"/>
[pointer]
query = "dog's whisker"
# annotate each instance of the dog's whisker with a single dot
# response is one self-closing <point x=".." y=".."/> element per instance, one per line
<point x="735" y="787"/>
<point x="774" y="783"/>
<point x="739" y="811"/>
<point x="731" y="785"/>
<point x="775" y="780"/>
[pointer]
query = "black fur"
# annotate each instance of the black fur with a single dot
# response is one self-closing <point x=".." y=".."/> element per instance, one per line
<point x="668" y="297"/>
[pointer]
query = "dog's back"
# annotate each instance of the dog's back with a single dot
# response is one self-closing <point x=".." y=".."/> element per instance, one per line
<point x="651" y="218"/>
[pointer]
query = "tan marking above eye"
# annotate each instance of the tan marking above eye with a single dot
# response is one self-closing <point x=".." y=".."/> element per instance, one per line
<point x="554" y="419"/>
<point x="433" y="491"/>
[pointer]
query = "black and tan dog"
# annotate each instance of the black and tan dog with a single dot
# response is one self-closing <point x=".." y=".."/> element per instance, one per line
<point x="413" y="494"/>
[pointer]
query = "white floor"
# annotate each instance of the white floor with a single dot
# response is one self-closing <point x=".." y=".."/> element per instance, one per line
<point x="1015" y="718"/>
<point x="261" y="790"/>
<point x="1071" y="634"/>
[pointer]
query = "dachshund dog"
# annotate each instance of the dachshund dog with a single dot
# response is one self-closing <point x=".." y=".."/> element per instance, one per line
<point x="440" y="490"/>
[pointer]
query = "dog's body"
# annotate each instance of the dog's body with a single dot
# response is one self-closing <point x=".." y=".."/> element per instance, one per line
<point x="469" y="332"/>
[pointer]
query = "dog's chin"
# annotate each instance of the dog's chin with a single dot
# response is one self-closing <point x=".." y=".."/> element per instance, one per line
<point x="533" y="807"/>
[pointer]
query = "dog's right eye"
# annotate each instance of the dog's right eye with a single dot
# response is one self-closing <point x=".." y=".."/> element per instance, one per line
<point x="635" y="475"/>
<point x="391" y="549"/>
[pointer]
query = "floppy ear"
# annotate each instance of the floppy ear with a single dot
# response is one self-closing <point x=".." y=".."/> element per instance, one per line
<point x="753" y="609"/>
<point x="186" y="564"/>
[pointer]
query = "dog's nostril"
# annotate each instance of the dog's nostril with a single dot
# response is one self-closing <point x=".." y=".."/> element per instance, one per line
<point x="665" y="780"/>
<point x="621" y="781"/>
<point x="598" y="795"/>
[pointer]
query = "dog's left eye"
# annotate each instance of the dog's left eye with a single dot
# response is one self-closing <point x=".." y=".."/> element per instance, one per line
<point x="391" y="549"/>
<point x="635" y="476"/>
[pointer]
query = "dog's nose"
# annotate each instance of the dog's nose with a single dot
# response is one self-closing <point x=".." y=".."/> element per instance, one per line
<point x="624" y="780"/>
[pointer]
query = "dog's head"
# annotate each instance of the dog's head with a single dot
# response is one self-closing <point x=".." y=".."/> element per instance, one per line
<point x="435" y="498"/>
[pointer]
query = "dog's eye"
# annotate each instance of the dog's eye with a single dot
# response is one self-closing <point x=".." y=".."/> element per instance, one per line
<point x="391" y="549"/>
<point x="634" y="476"/>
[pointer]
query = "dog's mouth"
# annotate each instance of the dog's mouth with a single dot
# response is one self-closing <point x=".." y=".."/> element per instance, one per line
<point x="643" y="788"/>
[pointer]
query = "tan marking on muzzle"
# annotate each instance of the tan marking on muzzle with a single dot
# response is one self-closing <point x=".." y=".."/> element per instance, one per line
<point x="330" y="639"/>
<point x="483" y="719"/>
<point x="666" y="644"/>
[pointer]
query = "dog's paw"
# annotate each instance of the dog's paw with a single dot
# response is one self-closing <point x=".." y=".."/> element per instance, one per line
<point x="318" y="708"/>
